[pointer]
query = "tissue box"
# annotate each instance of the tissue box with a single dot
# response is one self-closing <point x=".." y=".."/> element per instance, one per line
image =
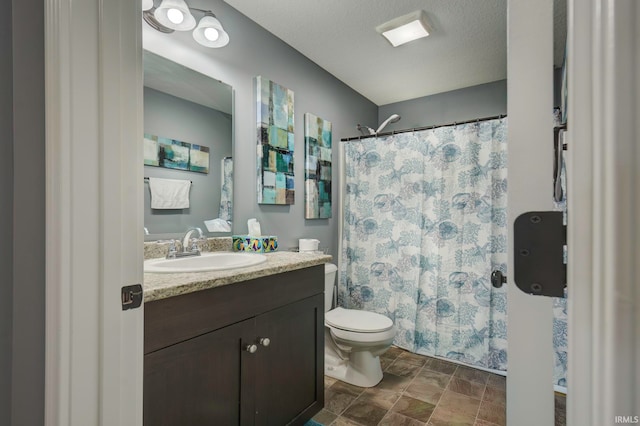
<point x="247" y="243"/>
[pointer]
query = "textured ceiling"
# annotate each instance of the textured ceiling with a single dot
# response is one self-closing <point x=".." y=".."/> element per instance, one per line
<point x="467" y="46"/>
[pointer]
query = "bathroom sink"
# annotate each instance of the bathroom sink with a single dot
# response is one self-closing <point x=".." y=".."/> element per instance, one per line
<point x="206" y="262"/>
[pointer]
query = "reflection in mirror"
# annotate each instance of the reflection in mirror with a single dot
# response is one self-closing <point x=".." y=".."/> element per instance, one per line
<point x="188" y="144"/>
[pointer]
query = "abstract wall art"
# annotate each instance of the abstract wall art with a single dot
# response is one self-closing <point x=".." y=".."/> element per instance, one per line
<point x="150" y="149"/>
<point x="199" y="158"/>
<point x="275" y="137"/>
<point x="317" y="170"/>
<point x="174" y="154"/>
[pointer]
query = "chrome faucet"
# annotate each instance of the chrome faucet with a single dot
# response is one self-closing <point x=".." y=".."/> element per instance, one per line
<point x="189" y="245"/>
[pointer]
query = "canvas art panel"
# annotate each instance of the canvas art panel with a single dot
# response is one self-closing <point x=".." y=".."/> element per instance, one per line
<point x="275" y="138"/>
<point x="199" y="158"/>
<point x="317" y="138"/>
<point x="150" y="149"/>
<point x="174" y="154"/>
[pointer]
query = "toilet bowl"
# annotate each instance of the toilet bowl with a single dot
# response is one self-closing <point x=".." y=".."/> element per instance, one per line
<point x="354" y="340"/>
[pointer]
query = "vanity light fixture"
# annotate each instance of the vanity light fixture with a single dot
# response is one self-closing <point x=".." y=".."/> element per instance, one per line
<point x="209" y="32"/>
<point x="175" y="15"/>
<point x="405" y="28"/>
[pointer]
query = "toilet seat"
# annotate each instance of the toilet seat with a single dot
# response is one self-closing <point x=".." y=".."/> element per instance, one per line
<point x="357" y="321"/>
<point x="361" y="327"/>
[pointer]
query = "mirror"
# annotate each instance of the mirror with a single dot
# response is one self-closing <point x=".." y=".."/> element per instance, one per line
<point x="188" y="127"/>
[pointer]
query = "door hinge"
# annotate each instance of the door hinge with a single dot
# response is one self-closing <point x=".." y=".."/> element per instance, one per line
<point x="131" y="296"/>
<point x="539" y="246"/>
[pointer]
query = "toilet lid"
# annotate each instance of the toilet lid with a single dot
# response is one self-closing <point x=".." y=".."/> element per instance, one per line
<point x="356" y="320"/>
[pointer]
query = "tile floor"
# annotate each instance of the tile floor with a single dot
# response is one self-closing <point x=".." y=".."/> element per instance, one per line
<point x="419" y="390"/>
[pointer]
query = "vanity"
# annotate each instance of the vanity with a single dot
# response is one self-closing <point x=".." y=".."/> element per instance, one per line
<point x="236" y="347"/>
<point x="226" y="347"/>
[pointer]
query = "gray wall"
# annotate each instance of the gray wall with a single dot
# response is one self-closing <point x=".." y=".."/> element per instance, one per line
<point x="27" y="384"/>
<point x="175" y="118"/>
<point x="253" y="51"/>
<point x="484" y="100"/>
<point x="6" y="214"/>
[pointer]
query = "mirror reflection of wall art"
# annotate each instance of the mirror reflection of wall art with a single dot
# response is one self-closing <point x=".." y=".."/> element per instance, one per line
<point x="275" y="143"/>
<point x="317" y="170"/>
<point x="174" y="154"/>
<point x="151" y="150"/>
<point x="199" y="158"/>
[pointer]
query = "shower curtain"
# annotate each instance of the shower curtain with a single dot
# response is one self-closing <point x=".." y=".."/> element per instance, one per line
<point x="425" y="224"/>
<point x="226" y="190"/>
<point x="424" y="227"/>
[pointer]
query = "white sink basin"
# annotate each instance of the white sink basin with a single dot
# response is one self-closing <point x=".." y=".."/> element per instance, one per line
<point x="206" y="262"/>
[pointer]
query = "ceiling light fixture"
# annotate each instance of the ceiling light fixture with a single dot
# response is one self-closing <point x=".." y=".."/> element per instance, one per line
<point x="175" y="15"/>
<point x="405" y="28"/>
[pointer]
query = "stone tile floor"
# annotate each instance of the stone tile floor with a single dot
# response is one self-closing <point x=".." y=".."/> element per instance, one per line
<point x="420" y="390"/>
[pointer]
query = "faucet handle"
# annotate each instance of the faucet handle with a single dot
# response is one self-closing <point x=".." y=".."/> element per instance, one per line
<point x="194" y="245"/>
<point x="172" y="250"/>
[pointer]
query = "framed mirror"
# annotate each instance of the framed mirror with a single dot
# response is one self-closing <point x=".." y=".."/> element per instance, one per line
<point x="188" y="142"/>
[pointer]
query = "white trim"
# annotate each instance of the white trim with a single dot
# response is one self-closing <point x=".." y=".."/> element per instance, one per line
<point x="93" y="70"/>
<point x="530" y="399"/>
<point x="604" y="206"/>
<point x="58" y="314"/>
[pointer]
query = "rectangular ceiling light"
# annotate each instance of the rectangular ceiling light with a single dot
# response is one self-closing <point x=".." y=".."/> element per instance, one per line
<point x="405" y="28"/>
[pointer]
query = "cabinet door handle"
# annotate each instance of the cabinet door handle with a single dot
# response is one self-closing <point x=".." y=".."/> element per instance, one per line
<point x="265" y="341"/>
<point x="251" y="348"/>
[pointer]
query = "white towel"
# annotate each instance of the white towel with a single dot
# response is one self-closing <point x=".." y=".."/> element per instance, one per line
<point x="169" y="193"/>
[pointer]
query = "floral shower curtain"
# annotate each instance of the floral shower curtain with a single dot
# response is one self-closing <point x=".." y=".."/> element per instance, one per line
<point x="425" y="225"/>
<point x="226" y="190"/>
<point x="560" y="317"/>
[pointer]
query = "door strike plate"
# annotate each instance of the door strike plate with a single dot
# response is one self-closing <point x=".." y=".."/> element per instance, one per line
<point x="539" y="241"/>
<point x="131" y="296"/>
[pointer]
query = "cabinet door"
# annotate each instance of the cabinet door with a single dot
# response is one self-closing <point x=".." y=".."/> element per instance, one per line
<point x="289" y="376"/>
<point x="201" y="381"/>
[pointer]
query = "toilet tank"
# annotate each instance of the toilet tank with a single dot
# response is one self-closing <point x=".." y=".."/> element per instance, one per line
<point x="329" y="280"/>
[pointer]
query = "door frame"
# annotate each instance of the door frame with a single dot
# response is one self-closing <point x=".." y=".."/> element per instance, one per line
<point x="530" y="398"/>
<point x="94" y="222"/>
<point x="603" y="234"/>
<point x="603" y="169"/>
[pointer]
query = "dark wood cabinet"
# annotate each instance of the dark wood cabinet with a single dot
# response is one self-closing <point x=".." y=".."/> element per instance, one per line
<point x="289" y="375"/>
<point x="198" y="380"/>
<point x="250" y="353"/>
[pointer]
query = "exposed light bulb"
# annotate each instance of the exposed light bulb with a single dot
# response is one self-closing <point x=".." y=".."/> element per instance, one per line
<point x="176" y="16"/>
<point x="211" y="34"/>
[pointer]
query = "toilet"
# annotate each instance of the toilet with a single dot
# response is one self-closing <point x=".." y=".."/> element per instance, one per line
<point x="353" y="339"/>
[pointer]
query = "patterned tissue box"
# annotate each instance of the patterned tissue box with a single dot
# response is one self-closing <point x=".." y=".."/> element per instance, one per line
<point x="247" y="243"/>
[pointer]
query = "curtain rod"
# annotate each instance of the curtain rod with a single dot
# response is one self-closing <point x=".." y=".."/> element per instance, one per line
<point x="418" y="129"/>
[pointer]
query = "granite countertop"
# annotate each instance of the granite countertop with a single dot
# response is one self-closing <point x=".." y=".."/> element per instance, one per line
<point x="162" y="286"/>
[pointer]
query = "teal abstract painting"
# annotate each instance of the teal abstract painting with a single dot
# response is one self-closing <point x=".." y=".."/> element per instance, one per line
<point x="174" y="154"/>
<point x="275" y="137"/>
<point x="317" y="176"/>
